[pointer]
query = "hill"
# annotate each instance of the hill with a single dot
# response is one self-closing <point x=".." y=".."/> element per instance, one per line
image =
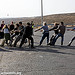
<point x="68" y="18"/>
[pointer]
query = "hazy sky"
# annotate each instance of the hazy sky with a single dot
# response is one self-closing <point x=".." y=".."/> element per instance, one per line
<point x="31" y="8"/>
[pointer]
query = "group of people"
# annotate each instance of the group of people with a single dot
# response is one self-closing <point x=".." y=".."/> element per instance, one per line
<point x="21" y="32"/>
<point x="59" y="31"/>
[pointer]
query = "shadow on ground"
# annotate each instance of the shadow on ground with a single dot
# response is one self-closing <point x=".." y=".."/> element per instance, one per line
<point x="51" y="49"/>
<point x="2" y="49"/>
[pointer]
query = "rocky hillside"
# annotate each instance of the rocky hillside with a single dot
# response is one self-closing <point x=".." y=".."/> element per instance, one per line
<point x="68" y="18"/>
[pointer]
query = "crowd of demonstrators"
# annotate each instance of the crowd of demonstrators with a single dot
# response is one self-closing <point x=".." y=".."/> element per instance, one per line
<point x="59" y="31"/>
<point x="18" y="31"/>
<point x="21" y="32"/>
<point x="73" y="37"/>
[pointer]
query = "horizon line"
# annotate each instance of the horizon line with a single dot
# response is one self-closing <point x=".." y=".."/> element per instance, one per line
<point x="36" y="16"/>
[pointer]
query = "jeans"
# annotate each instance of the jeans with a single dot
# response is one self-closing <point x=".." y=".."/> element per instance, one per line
<point x="44" y="36"/>
<point x="57" y="36"/>
<point x="17" y="39"/>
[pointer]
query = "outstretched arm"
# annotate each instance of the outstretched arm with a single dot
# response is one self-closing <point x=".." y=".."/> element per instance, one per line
<point x="54" y="28"/>
<point x="37" y="30"/>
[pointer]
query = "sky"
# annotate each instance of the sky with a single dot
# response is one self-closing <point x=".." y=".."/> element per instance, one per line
<point x="32" y="8"/>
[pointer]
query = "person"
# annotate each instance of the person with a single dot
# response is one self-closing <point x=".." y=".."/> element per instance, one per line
<point x="20" y="30"/>
<point x="1" y="31"/>
<point x="15" y="32"/>
<point x="45" y="33"/>
<point x="11" y="26"/>
<point x="6" y="35"/>
<point x="32" y="25"/>
<point x="1" y="34"/>
<point x="61" y="33"/>
<point x="55" y="28"/>
<point x="2" y="24"/>
<point x="27" y="34"/>
<point x="73" y="37"/>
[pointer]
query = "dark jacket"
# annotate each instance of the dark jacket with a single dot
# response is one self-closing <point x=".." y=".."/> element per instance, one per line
<point x="21" y="28"/>
<point x="28" y="31"/>
<point x="11" y="27"/>
<point x="62" y="29"/>
<point x="55" y="28"/>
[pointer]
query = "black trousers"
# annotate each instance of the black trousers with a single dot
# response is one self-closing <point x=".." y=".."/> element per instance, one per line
<point x="23" y="40"/>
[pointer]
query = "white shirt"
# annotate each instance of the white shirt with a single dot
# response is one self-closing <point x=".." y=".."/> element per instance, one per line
<point x="6" y="30"/>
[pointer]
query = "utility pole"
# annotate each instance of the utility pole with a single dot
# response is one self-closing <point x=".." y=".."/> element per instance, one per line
<point x="41" y="12"/>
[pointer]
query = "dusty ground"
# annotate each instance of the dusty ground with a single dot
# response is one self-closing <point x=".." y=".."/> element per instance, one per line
<point x="43" y="60"/>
